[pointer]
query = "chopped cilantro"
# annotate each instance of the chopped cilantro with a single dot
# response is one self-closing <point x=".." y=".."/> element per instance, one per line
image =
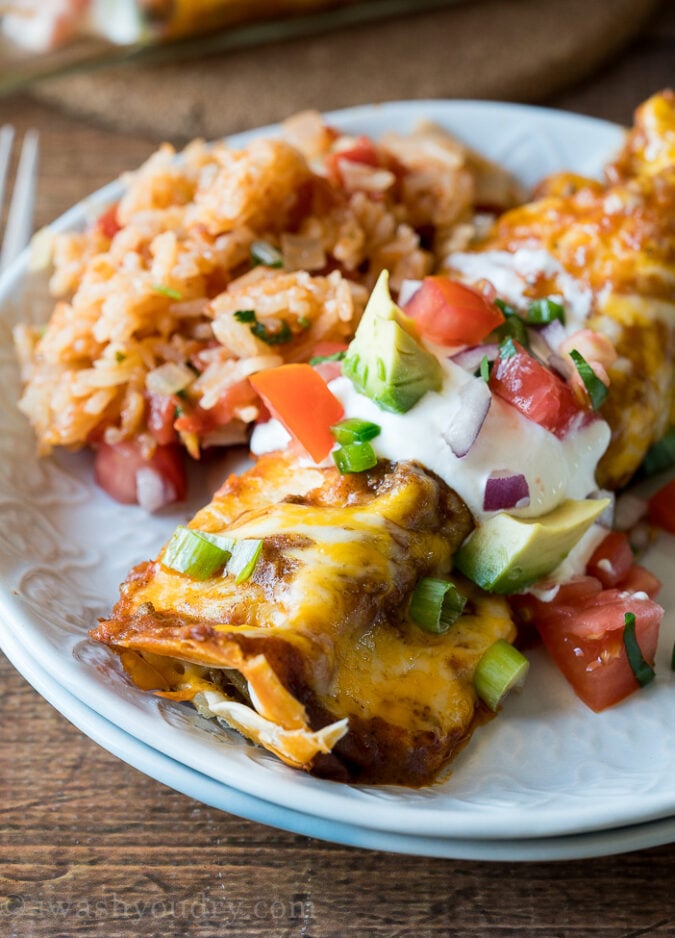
<point x="282" y="335"/>
<point x="245" y="315"/>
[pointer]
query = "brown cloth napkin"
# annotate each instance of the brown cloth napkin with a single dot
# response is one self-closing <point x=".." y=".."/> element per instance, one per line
<point x="501" y="49"/>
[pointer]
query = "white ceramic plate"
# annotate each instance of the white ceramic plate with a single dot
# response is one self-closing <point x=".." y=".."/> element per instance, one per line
<point x="205" y="789"/>
<point x="548" y="767"/>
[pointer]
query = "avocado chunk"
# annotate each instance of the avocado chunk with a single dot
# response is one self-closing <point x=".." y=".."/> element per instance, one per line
<point x="384" y="361"/>
<point x="504" y="554"/>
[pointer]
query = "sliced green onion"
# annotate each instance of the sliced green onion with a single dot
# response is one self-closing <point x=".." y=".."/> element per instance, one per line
<point x="507" y="348"/>
<point x="335" y="357"/>
<point x="354" y="457"/>
<point x="661" y="455"/>
<point x="597" y="391"/>
<point x="501" y="668"/>
<point x="244" y="558"/>
<point x="355" y="430"/>
<point x="190" y="552"/>
<point x="485" y="368"/>
<point x="167" y="291"/>
<point x="643" y="672"/>
<point x="244" y="315"/>
<point x="436" y="605"/>
<point x="222" y="541"/>
<point x="282" y="335"/>
<point x="266" y="254"/>
<point x="120" y="357"/>
<point x="541" y="312"/>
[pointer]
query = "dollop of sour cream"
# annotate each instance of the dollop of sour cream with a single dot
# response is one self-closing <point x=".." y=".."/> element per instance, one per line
<point x="555" y="469"/>
<point x="511" y="273"/>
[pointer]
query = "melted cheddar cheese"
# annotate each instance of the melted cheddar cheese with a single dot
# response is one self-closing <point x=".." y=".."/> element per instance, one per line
<point x="314" y="656"/>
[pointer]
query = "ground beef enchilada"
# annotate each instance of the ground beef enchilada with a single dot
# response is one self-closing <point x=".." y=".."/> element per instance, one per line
<point x="315" y="653"/>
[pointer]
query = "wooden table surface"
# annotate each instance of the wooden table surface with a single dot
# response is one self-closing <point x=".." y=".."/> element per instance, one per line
<point x="89" y="846"/>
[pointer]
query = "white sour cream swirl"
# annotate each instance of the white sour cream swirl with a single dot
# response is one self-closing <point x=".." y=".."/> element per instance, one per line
<point x="511" y="273"/>
<point x="555" y="469"/>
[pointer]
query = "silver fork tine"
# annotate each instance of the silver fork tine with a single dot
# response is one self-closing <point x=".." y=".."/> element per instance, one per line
<point x="20" y="218"/>
<point x="6" y="139"/>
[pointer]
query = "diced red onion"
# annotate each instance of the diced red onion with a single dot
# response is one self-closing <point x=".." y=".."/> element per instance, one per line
<point x="554" y="334"/>
<point x="506" y="489"/>
<point x="561" y="364"/>
<point x="407" y="290"/>
<point x="640" y="537"/>
<point x="302" y="252"/>
<point x="153" y="490"/>
<point x="470" y="358"/>
<point x="472" y="403"/>
<point x="606" y="519"/>
<point x="629" y="511"/>
<point x="359" y="176"/>
<point x="538" y="345"/>
<point x="169" y="378"/>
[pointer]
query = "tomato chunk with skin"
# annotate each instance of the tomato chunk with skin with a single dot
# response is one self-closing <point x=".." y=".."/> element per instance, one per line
<point x="116" y="467"/>
<point x="661" y="507"/>
<point x="301" y="400"/>
<point x="585" y="640"/>
<point x="108" y="223"/>
<point x="161" y="414"/>
<point x="201" y="420"/>
<point x="640" y="580"/>
<point x="362" y="150"/>
<point x="328" y="369"/>
<point x="539" y="394"/>
<point x="450" y="313"/>
<point x="611" y="560"/>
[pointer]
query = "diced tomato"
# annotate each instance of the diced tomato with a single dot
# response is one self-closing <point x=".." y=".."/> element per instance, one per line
<point x="585" y="639"/>
<point x="116" y="467"/>
<point x="200" y="420"/>
<point x="160" y="417"/>
<point x="578" y="590"/>
<point x="328" y="348"/>
<point x="300" y="399"/>
<point x="572" y="593"/>
<point x="535" y="391"/>
<point x="661" y="510"/>
<point x="362" y="150"/>
<point x="450" y="313"/>
<point x="611" y="560"/>
<point x="108" y="224"/>
<point x="328" y="369"/>
<point x="640" y="580"/>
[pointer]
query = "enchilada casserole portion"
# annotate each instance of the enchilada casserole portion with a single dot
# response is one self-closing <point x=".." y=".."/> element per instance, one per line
<point x="315" y="656"/>
<point x="606" y="249"/>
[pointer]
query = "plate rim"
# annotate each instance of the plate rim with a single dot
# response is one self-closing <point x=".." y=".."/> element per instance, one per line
<point x="194" y="784"/>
